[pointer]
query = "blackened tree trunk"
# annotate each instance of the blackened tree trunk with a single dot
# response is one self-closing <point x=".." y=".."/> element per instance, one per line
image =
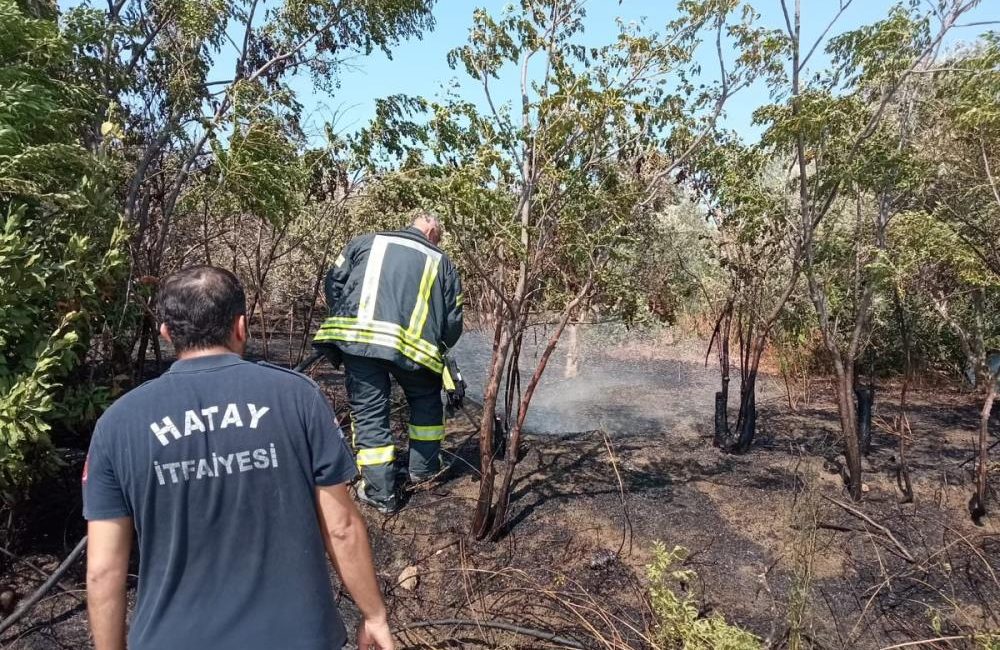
<point x="748" y="415"/>
<point x="849" y="425"/>
<point x="484" y="506"/>
<point x="865" y="404"/>
<point x="977" y="504"/>
<point x="724" y="330"/>
<point x="512" y="457"/>
<point x="902" y="420"/>
<point x="722" y="416"/>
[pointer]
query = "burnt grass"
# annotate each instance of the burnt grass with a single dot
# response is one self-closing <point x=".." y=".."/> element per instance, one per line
<point x="588" y="506"/>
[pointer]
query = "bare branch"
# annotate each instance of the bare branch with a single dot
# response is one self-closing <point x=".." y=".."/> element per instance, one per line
<point x="843" y="7"/>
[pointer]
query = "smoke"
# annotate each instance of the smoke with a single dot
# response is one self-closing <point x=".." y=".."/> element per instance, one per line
<point x="630" y="387"/>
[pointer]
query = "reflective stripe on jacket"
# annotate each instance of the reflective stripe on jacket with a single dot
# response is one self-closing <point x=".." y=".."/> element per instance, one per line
<point x="393" y="296"/>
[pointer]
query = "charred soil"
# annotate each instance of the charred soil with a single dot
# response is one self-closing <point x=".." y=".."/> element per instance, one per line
<point x="777" y="546"/>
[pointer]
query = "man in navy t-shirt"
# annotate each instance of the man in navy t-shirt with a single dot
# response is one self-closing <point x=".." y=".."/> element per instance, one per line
<point x="232" y="476"/>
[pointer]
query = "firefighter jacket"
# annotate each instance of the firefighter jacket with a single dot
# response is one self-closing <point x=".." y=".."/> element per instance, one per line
<point x="393" y="296"/>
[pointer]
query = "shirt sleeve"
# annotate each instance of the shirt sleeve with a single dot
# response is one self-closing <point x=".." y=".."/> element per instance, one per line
<point x="103" y="496"/>
<point x="332" y="461"/>
<point x="339" y="273"/>
<point x="454" y="301"/>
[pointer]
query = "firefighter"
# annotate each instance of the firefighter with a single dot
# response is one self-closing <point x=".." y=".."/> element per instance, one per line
<point x="395" y="304"/>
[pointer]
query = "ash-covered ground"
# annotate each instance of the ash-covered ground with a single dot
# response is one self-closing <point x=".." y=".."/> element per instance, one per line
<point x="620" y="458"/>
<point x="625" y="383"/>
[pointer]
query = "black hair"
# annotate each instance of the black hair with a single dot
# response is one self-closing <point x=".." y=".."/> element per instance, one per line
<point x="198" y="305"/>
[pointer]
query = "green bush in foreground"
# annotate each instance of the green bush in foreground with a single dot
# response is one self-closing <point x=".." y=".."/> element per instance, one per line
<point x="678" y="623"/>
<point x="60" y="244"/>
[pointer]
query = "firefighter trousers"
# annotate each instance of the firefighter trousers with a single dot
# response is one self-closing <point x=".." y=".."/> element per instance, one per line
<point x="368" y="390"/>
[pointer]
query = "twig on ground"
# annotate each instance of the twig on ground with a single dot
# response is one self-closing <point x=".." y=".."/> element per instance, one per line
<point x="913" y="644"/>
<point x="975" y="456"/>
<point x="888" y="533"/>
<point x="627" y="525"/>
<point x="498" y="625"/>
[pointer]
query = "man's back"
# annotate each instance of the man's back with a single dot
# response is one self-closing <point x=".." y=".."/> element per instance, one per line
<point x="394" y="296"/>
<point x="217" y="461"/>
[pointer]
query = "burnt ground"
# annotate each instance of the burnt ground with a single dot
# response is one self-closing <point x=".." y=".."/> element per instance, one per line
<point x="773" y="548"/>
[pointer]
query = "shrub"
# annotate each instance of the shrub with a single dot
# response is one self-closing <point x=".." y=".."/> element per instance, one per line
<point x="60" y="244"/>
<point x="679" y="623"/>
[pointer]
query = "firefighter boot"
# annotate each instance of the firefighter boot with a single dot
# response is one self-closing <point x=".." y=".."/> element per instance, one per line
<point x="426" y="428"/>
<point x="368" y="390"/>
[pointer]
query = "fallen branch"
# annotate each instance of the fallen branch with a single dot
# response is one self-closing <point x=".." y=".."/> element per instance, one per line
<point x="39" y="571"/>
<point x="498" y="625"/>
<point x="905" y="553"/>
<point x="47" y="586"/>
<point x="834" y="527"/>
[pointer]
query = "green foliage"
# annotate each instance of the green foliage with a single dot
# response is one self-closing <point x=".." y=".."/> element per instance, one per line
<point x="960" y="139"/>
<point x="80" y="404"/>
<point x="941" y="625"/>
<point x="552" y="196"/>
<point x="60" y="246"/>
<point x="570" y="180"/>
<point x="679" y="623"/>
<point x="853" y="132"/>
<point x="262" y="172"/>
<point x="674" y="271"/>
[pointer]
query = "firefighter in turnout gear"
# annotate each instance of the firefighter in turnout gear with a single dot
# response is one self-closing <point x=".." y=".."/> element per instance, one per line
<point x="395" y="304"/>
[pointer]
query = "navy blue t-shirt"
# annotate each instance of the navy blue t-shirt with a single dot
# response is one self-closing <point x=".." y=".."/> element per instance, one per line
<point x="217" y="462"/>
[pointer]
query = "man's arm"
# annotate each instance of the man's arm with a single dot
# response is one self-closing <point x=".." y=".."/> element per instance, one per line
<point x="109" y="543"/>
<point x="347" y="544"/>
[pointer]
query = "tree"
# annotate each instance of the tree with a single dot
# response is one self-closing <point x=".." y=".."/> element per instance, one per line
<point x="60" y="241"/>
<point x="961" y="126"/>
<point x="759" y="253"/>
<point x="201" y="92"/>
<point x="834" y="129"/>
<point x="549" y="196"/>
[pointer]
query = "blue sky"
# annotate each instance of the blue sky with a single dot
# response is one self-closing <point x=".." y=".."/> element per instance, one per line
<point x="419" y="67"/>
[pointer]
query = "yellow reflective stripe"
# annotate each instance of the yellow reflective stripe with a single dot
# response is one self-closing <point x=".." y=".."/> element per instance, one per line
<point x="376" y="456"/>
<point x="447" y="380"/>
<point x="432" y="432"/>
<point x="459" y="300"/>
<point x="381" y="327"/>
<point x="419" y="316"/>
<point x="421" y="303"/>
<point x="346" y="333"/>
<point x="358" y="335"/>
